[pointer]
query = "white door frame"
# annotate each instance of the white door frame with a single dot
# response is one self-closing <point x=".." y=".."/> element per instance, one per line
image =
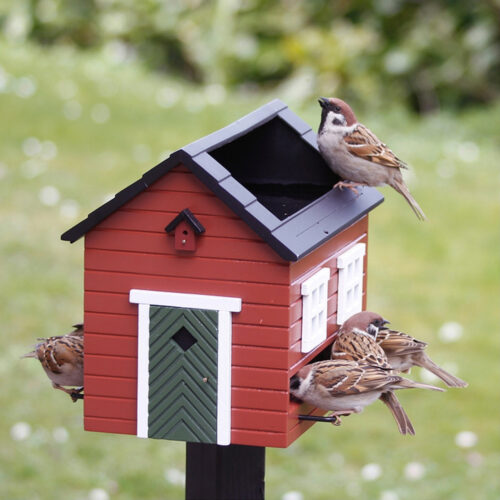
<point x="224" y="306"/>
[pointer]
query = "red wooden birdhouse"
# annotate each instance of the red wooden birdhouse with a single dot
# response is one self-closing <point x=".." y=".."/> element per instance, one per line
<point x="213" y="278"/>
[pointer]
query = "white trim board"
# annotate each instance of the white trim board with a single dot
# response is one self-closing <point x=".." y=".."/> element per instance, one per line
<point x="224" y="306"/>
<point x="191" y="300"/>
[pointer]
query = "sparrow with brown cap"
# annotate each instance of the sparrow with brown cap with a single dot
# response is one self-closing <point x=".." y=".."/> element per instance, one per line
<point x="355" y="153"/>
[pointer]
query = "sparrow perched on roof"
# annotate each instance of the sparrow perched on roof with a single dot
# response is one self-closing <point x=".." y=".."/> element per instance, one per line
<point x="346" y="386"/>
<point x="62" y="359"/>
<point x="356" y="155"/>
<point x="404" y="351"/>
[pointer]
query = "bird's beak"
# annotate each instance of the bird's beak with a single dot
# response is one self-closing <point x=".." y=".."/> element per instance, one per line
<point x="385" y="322"/>
<point x="323" y="102"/>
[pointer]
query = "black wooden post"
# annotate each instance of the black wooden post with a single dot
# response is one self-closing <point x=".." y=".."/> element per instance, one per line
<point x="233" y="472"/>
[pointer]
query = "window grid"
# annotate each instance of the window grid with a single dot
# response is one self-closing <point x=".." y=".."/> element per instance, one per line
<point x="314" y="309"/>
<point x="350" y="292"/>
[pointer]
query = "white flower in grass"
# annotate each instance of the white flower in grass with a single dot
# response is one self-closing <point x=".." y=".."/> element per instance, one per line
<point x="428" y="377"/>
<point x="3" y="170"/>
<point x="98" y="494"/>
<point x="32" y="168"/>
<point x="450" y="332"/>
<point x="370" y="472"/>
<point x="69" y="209"/>
<point x="293" y="495"/>
<point x="60" y="435"/>
<point x="31" y="146"/>
<point x="20" y="431"/>
<point x="414" y="471"/>
<point x="175" y="476"/>
<point x="49" y="150"/>
<point x="100" y="113"/>
<point x="215" y="93"/>
<point x="466" y="439"/>
<point x="25" y="87"/>
<point x="141" y="153"/>
<point x="388" y="495"/>
<point x="468" y="151"/>
<point x="49" y="196"/>
<point x="166" y="97"/>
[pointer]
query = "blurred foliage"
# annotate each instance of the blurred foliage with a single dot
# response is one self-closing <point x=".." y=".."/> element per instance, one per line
<point x="438" y="53"/>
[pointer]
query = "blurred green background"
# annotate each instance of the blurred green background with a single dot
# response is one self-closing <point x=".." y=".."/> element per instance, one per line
<point x="93" y="93"/>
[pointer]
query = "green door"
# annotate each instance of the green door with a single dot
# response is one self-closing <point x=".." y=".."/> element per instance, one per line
<point x="183" y="374"/>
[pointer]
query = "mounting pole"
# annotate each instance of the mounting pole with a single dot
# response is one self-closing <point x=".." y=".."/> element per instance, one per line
<point x="233" y="472"/>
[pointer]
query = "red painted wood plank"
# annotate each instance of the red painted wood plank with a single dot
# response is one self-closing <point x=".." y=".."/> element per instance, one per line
<point x="249" y="292"/>
<point x="354" y="233"/>
<point x="258" y="314"/>
<point x="260" y="357"/>
<point x="112" y="324"/>
<point x="116" y="426"/>
<point x="177" y="180"/>
<point x="96" y="406"/>
<point x="110" y="345"/>
<point x="258" y="335"/>
<point x="259" y="378"/>
<point x="115" y="303"/>
<point x="170" y="201"/>
<point x="259" y="399"/>
<point x="255" y="438"/>
<point x="144" y="220"/>
<point x="165" y="265"/>
<point x="109" y="386"/>
<point x="118" y="303"/>
<point x="161" y="243"/>
<point x="112" y="366"/>
<point x="259" y="420"/>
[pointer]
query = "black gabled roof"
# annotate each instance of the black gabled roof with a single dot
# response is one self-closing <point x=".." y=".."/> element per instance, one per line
<point x="188" y="216"/>
<point x="266" y="167"/>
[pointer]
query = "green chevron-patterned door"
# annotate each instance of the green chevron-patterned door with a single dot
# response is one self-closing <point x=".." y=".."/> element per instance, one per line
<point x="182" y="374"/>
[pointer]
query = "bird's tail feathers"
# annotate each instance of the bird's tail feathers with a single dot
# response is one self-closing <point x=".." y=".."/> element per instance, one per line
<point x="406" y="383"/>
<point x="401" y="188"/>
<point x="392" y="402"/>
<point x="450" y="380"/>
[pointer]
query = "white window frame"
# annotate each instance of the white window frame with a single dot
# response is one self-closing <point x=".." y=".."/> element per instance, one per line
<point x="314" y="309"/>
<point x="350" y="289"/>
<point x="224" y="306"/>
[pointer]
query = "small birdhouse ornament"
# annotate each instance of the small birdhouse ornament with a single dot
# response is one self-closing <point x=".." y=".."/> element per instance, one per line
<point x="186" y="228"/>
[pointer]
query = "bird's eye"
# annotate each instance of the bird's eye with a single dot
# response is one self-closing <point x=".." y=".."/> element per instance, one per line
<point x="337" y="109"/>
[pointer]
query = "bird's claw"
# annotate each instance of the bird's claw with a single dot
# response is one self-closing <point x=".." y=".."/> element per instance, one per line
<point x="349" y="185"/>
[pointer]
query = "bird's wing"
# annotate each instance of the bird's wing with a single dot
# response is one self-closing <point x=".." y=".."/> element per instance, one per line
<point x="365" y="144"/>
<point x="343" y="377"/>
<point x="398" y="343"/>
<point x="56" y="352"/>
<point x="361" y="348"/>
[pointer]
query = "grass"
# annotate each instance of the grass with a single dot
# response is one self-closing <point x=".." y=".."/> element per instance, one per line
<point x="421" y="276"/>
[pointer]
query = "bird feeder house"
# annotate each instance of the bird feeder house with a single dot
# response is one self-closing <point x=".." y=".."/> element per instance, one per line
<point x="212" y="279"/>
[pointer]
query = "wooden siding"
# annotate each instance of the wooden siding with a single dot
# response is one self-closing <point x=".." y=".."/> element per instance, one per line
<point x="130" y="249"/>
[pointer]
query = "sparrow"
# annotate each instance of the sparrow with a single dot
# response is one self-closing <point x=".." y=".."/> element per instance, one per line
<point x="355" y="153"/>
<point x="356" y="342"/>
<point x="62" y="359"/>
<point x="346" y="386"/>
<point x="404" y="351"/>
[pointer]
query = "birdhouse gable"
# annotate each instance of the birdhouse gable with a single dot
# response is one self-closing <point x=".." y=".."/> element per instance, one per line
<point x="267" y="169"/>
<point x="186" y="228"/>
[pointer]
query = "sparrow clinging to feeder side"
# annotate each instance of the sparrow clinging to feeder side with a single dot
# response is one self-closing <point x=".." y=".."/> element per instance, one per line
<point x="346" y="386"/>
<point x="356" y="155"/>
<point x="62" y="359"/>
<point x="403" y="351"/>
